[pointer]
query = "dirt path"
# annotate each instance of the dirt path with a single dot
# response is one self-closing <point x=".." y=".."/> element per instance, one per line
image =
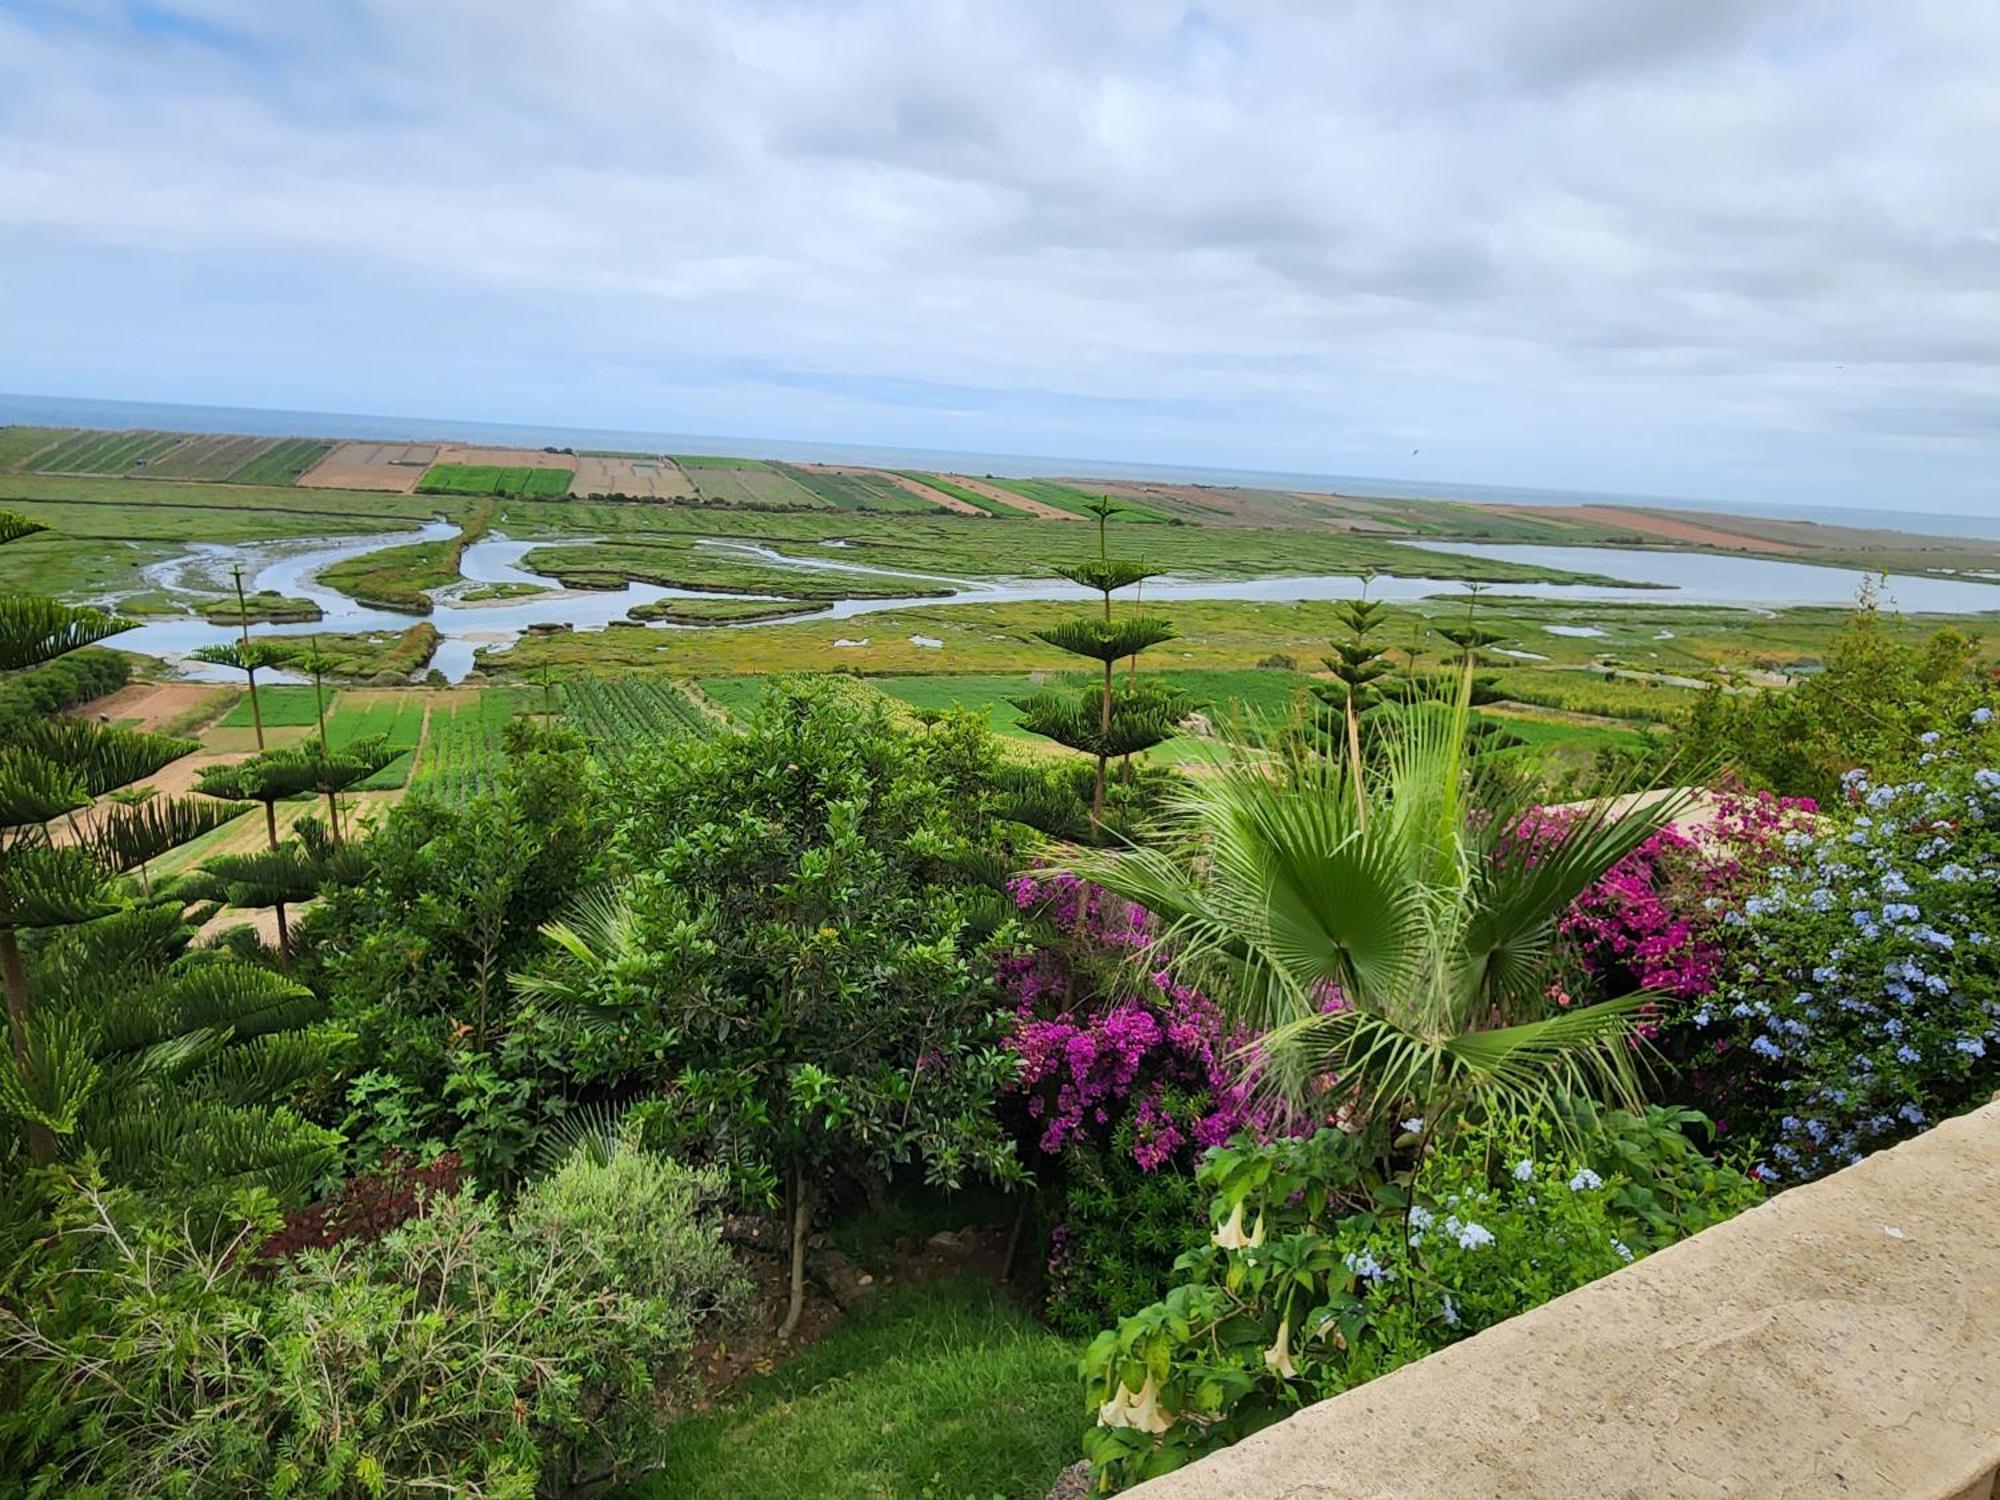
<point x="1007" y="497"/>
<point x="153" y="705"/>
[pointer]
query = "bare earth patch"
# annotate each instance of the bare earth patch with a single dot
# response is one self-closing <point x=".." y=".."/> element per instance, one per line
<point x="371" y="466"/>
<point x="505" y="458"/>
<point x="903" y="482"/>
<point x="155" y="705"/>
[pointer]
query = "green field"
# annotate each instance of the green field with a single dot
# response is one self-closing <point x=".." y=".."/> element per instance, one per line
<point x="1078" y="502"/>
<point x="283" y="464"/>
<point x="103" y="452"/>
<point x="462" y="752"/>
<point x="620" y="715"/>
<point x="493" y="479"/>
<point x="399" y="717"/>
<point x="211" y="458"/>
<point x="751" y="484"/>
<point x="284" y="706"/>
<point x="960" y="492"/>
<point x="20" y="443"/>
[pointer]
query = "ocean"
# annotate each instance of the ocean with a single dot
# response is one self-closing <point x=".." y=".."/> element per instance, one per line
<point x="69" y="411"/>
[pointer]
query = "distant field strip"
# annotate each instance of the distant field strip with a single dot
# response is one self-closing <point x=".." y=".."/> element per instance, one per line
<point x="749" y="483"/>
<point x="371" y="466"/>
<point x="639" y="477"/>
<point x="285" y="463"/>
<point x="853" y="489"/>
<point x="18" y="444"/>
<point x="494" y="479"/>
<point x="208" y="457"/>
<point x="1066" y="498"/>
<point x="984" y="503"/>
<point x="105" y="453"/>
<point x="619" y="715"/>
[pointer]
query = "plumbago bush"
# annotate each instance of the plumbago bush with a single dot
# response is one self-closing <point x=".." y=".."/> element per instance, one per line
<point x="1126" y="1076"/>
<point x="1300" y="1294"/>
<point x="1866" y="1002"/>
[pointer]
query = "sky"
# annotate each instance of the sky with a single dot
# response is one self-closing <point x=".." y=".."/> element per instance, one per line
<point x="1728" y="249"/>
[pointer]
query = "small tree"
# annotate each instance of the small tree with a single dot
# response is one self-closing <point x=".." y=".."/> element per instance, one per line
<point x="795" y="903"/>
<point x="1103" y="722"/>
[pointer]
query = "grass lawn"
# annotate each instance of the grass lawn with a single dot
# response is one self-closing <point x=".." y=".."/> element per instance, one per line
<point x="942" y="1390"/>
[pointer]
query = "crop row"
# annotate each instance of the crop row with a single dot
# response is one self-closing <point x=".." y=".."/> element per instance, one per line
<point x="463" y="750"/>
<point x="618" y="715"/>
<point x="103" y="452"/>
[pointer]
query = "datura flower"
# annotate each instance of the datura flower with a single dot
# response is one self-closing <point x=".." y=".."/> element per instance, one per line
<point x="1231" y="1236"/>
<point x="1279" y="1356"/>
<point x="1141" y="1412"/>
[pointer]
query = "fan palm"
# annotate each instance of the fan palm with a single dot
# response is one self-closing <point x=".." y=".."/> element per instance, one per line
<point x="1430" y="917"/>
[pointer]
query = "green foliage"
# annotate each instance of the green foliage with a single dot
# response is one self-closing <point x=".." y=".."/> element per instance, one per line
<point x="1876" y="696"/>
<point x="466" y="1351"/>
<point x="494" y="479"/>
<point x="944" y="1389"/>
<point x="794" y="910"/>
<point x="176" y="1070"/>
<point x="414" y="957"/>
<point x="618" y="716"/>
<point x="1383" y="927"/>
<point x="465" y="747"/>
<point x="1319" y="1276"/>
<point x="1107" y="640"/>
<point x="34" y="630"/>
<point x="1121" y="1230"/>
<point x="64" y="683"/>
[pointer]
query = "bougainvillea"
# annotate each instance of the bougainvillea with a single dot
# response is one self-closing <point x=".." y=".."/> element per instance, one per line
<point x="1126" y="1076"/>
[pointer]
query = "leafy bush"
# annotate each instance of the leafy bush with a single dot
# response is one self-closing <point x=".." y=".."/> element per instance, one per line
<point x="464" y="1351"/>
<point x="1877" y="693"/>
<point x="1297" y="1296"/>
<point x="28" y="697"/>
<point x="415" y="957"/>
<point x="1866" y="1005"/>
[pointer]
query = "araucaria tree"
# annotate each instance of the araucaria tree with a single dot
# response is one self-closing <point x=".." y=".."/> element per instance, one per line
<point x="1105" y="721"/>
<point x="119" y="1042"/>
<point x="793" y="903"/>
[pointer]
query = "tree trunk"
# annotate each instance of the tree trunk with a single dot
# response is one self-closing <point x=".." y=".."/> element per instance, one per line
<point x="41" y="1140"/>
<point x="271" y="822"/>
<point x="333" y="819"/>
<point x="801" y="1230"/>
<point x="284" y="932"/>
<point x="1103" y="739"/>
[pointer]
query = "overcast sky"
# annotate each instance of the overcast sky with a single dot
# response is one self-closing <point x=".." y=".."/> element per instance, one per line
<point x="1741" y="249"/>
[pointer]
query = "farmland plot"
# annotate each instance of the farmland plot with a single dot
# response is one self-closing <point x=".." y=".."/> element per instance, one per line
<point x="371" y="466"/>
<point x="619" y="716"/>
<point x="214" y="457"/>
<point x="853" y="489"/>
<point x="18" y="444"/>
<point x="754" y="485"/>
<point x="641" y="478"/>
<point x="462" y="750"/>
<point x="534" y="483"/>
<point x="286" y="463"/>
<point x="103" y="452"/>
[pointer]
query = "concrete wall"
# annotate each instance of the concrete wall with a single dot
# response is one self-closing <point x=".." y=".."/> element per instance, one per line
<point x="1842" y="1339"/>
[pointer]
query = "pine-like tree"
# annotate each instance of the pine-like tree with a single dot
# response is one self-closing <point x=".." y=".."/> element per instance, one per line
<point x="58" y="873"/>
<point x="1104" y="721"/>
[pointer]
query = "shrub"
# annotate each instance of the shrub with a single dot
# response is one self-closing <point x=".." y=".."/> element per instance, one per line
<point x="1297" y="1297"/>
<point x="1867" y="1003"/>
<point x="1124" y="1080"/>
<point x="463" y="1352"/>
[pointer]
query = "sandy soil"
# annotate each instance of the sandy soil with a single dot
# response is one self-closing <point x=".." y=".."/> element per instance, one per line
<point x="648" y="478"/>
<point x="371" y="466"/>
<point x="506" y="458"/>
<point x="1670" y="528"/>
<point x="1008" y="497"/>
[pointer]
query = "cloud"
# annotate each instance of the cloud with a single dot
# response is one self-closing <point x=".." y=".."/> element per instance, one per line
<point x="1742" y="248"/>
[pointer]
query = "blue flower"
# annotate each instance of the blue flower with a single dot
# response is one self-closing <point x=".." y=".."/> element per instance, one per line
<point x="1982" y="716"/>
<point x="1900" y="911"/>
<point x="1474" y="1237"/>
<point x="1624" y="1252"/>
<point x="1366" y="1265"/>
<point x="1912" y="1112"/>
<point x="1450" y="1312"/>
<point x="1928" y="737"/>
<point x="1971" y="1046"/>
<point x="1763" y="1046"/>
<point x="1524" y="1170"/>
<point x="1908" y="1054"/>
<point x="1585" y="1180"/>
